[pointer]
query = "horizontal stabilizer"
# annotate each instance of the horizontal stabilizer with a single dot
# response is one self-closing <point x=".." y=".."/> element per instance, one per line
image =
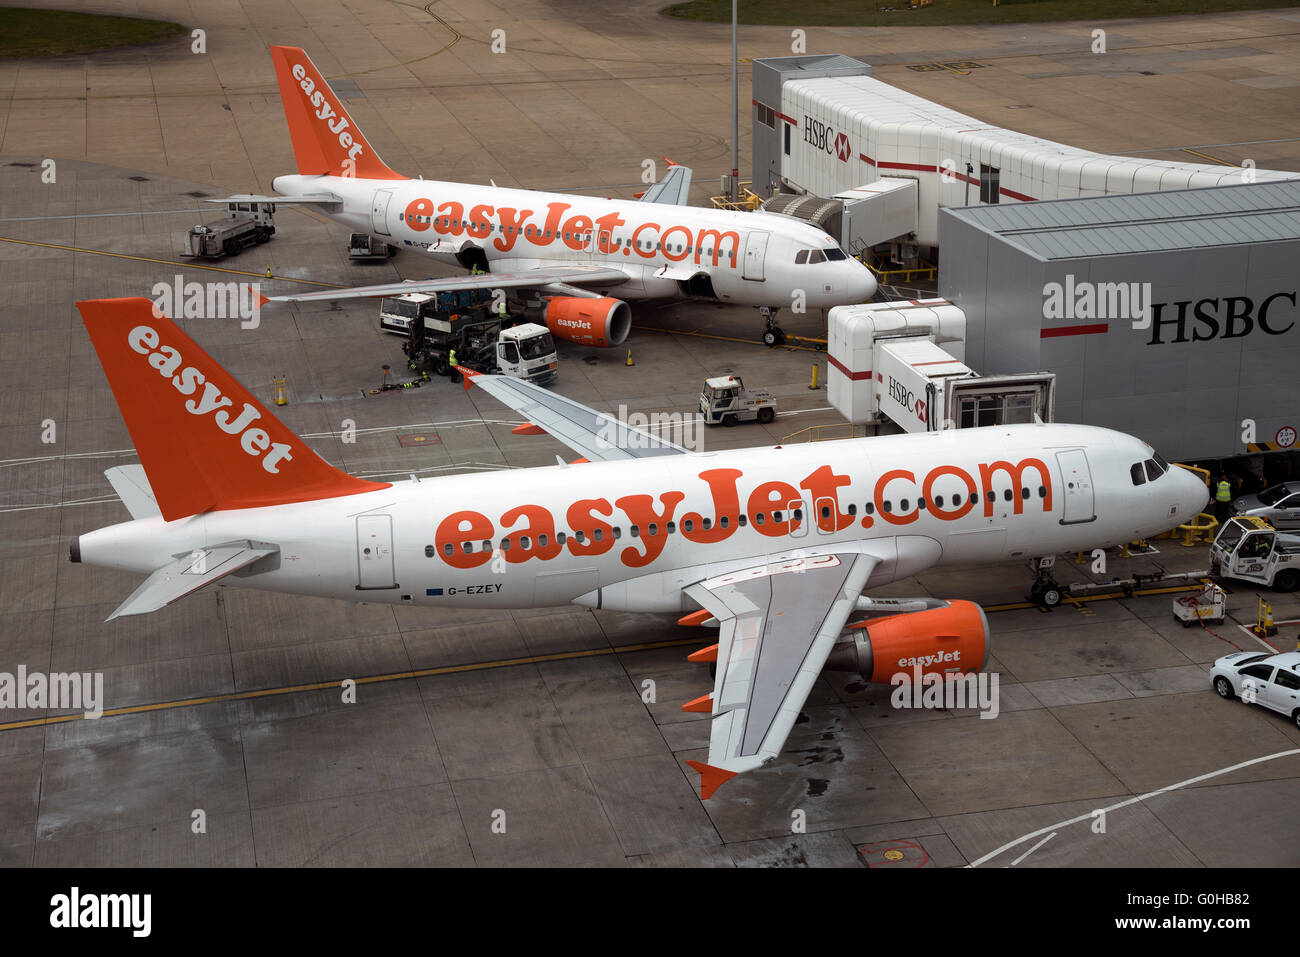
<point x="189" y="573"/>
<point x="324" y="200"/>
<point x="132" y="487"/>
<point x="673" y="189"/>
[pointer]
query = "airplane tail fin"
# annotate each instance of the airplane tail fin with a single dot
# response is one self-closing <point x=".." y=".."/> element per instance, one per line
<point x="326" y="140"/>
<point x="204" y="441"/>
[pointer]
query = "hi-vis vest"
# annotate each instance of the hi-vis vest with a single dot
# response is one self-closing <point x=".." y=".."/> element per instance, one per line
<point x="1223" y="493"/>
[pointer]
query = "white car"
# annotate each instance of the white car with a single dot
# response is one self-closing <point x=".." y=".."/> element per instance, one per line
<point x="1270" y="680"/>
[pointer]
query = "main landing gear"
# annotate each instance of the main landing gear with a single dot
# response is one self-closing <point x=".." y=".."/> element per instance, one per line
<point x="773" y="334"/>
<point x="1045" y="591"/>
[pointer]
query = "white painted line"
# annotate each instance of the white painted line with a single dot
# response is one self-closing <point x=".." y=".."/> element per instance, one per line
<point x="1133" y="800"/>
<point x="1032" y="849"/>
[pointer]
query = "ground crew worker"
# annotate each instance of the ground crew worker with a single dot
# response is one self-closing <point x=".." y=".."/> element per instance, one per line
<point x="501" y="308"/>
<point x="1223" y="499"/>
<point x="451" y="358"/>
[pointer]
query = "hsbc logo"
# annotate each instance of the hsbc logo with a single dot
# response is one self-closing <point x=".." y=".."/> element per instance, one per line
<point x="904" y="396"/>
<point x="820" y="136"/>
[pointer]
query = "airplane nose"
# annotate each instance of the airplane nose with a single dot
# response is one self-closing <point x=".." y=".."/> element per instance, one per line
<point x="862" y="282"/>
<point x="1194" y="495"/>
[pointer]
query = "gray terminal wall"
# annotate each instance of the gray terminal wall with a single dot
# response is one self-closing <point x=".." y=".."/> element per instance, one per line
<point x="1186" y="398"/>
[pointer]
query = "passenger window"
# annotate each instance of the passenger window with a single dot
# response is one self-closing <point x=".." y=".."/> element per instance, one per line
<point x="429" y="551"/>
<point x="524" y="542"/>
<point x="671" y="527"/>
<point x="652" y="530"/>
<point x="688" y="526"/>
<point x="759" y="518"/>
<point x="705" y="524"/>
<point x="1006" y="495"/>
<point x="742" y="520"/>
<point x="1024" y="493"/>
<point x="776" y="516"/>
<point x="903" y="505"/>
<point x="598" y="534"/>
<point x="561" y="538"/>
<point x="541" y="540"/>
<point x="801" y="257"/>
<point x="887" y="506"/>
<point x="869" y="508"/>
<point x="579" y="537"/>
<point x="853" y="509"/>
<point x="634" y="531"/>
<point x="725" y="521"/>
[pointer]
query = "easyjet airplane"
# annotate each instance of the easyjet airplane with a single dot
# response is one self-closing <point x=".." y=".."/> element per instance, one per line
<point x="775" y="545"/>
<point x="580" y="257"/>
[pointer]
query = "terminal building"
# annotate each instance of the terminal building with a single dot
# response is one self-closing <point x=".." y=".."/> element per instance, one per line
<point x="1152" y="297"/>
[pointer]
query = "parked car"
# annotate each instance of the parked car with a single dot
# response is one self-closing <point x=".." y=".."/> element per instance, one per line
<point x="1259" y="678"/>
<point x="1279" y="505"/>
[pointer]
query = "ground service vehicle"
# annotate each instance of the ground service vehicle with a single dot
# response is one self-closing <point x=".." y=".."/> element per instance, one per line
<point x="1250" y="549"/>
<point x="1270" y="680"/>
<point x="247" y="224"/>
<point x="725" y="400"/>
<point x="365" y="246"/>
<point x="1279" y="505"/>
<point x="482" y="340"/>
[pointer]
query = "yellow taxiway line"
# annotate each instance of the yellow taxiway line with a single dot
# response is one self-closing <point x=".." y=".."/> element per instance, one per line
<point x="478" y="666"/>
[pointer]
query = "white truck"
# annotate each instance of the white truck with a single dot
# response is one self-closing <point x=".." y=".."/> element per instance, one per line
<point x="247" y="224"/>
<point x="1250" y="549"/>
<point x="463" y="327"/>
<point x="724" y="399"/>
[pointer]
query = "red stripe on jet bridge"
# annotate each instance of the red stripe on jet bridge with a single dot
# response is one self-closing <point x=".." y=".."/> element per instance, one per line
<point x="855" y="376"/>
<point x="866" y="159"/>
<point x="913" y="166"/>
<point x="788" y="119"/>
<point x="1014" y="195"/>
<point x="1074" y="331"/>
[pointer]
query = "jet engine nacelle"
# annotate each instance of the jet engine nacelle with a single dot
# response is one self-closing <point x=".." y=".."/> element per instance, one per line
<point x="952" y="639"/>
<point x="589" y="322"/>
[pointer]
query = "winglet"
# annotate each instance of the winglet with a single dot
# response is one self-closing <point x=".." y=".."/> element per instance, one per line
<point x="703" y="704"/>
<point x="711" y="778"/>
<point x="467" y="375"/>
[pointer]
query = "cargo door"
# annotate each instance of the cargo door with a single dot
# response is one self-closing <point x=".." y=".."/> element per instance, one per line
<point x="379" y="211"/>
<point x="755" y="253"/>
<point x="1076" y="490"/>
<point x="375" y="552"/>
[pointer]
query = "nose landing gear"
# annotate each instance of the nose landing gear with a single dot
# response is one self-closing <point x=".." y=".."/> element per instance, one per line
<point x="773" y="334"/>
<point x="1045" y="591"/>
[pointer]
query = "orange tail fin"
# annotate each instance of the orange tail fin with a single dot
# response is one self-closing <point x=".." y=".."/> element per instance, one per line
<point x="204" y="441"/>
<point x="326" y="140"/>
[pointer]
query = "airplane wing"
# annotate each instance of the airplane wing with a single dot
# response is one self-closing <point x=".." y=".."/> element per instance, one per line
<point x="674" y="188"/>
<point x="778" y="622"/>
<point x="535" y="278"/>
<point x="324" y="200"/>
<point x="596" y="436"/>
<point x="189" y="573"/>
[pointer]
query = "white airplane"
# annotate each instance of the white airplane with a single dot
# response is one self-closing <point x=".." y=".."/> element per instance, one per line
<point x="775" y="545"/>
<point x="578" y="257"/>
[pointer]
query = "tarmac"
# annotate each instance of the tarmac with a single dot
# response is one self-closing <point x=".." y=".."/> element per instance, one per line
<point x="555" y="736"/>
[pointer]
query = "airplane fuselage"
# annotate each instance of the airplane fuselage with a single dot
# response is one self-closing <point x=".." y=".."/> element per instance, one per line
<point x="666" y="251"/>
<point x="631" y="534"/>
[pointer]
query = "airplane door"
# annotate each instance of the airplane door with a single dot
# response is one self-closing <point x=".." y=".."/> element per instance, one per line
<point x="1077" y="487"/>
<point x="599" y="242"/>
<point x="826" y="515"/>
<point x="375" y="552"/>
<point x="755" y="253"/>
<point x="379" y="211"/>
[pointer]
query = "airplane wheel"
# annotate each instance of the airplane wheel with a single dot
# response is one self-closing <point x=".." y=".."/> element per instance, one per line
<point x="769" y="337"/>
<point x="766" y="415"/>
<point x="1051" y="596"/>
<point x="1224" y="687"/>
<point x="729" y="420"/>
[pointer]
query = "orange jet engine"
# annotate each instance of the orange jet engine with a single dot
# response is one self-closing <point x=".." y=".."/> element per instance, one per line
<point x="953" y="639"/>
<point x="589" y="322"/>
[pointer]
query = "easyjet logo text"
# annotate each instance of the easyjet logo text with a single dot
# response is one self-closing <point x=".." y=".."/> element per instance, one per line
<point x="580" y="233"/>
<point x="774" y="509"/>
<point x="208" y="399"/>
<point x="326" y="111"/>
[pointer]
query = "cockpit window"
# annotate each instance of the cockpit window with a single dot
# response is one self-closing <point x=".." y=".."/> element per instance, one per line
<point x="1164" y="466"/>
<point x="1153" y="470"/>
<point x="816" y="256"/>
<point x="801" y="257"/>
<point x="1136" y="474"/>
<point x="835" y="254"/>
